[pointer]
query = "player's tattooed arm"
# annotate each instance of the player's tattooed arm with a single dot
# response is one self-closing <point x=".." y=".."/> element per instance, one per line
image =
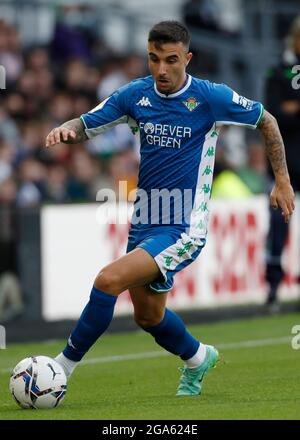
<point x="274" y="144"/>
<point x="71" y="132"/>
<point x="282" y="193"/>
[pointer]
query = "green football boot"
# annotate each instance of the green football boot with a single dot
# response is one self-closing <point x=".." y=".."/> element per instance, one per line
<point x="192" y="378"/>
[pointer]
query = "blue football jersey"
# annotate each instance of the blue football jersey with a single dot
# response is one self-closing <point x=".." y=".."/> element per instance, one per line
<point x="178" y="135"/>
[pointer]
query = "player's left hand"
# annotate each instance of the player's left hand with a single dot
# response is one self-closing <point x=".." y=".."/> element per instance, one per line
<point x="282" y="195"/>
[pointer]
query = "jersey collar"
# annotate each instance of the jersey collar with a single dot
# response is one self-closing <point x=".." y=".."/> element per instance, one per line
<point x="179" y="92"/>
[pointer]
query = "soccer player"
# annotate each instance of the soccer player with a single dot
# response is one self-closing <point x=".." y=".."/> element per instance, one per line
<point x="178" y="119"/>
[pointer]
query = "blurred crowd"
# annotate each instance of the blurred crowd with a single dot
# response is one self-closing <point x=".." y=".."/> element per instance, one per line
<point x="46" y="86"/>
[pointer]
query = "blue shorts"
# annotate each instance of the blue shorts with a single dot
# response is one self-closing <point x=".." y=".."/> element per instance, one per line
<point x="171" y="248"/>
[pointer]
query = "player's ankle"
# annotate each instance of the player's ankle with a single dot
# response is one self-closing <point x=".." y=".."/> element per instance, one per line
<point x="67" y="364"/>
<point x="198" y="358"/>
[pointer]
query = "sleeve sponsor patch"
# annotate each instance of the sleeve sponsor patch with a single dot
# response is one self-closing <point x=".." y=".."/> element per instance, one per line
<point x="99" y="106"/>
<point x="241" y="100"/>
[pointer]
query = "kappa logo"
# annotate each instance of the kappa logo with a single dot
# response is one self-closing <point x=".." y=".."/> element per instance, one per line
<point x="144" y="102"/>
<point x="70" y="343"/>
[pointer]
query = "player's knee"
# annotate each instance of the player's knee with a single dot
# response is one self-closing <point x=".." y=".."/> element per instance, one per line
<point x="108" y="282"/>
<point x="145" y="320"/>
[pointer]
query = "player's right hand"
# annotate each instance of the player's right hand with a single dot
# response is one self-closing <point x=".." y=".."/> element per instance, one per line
<point x="58" y="135"/>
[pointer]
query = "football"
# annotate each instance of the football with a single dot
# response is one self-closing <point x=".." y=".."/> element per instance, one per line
<point x="38" y="382"/>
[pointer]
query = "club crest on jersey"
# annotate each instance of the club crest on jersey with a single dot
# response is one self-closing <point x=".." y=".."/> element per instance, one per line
<point x="191" y="104"/>
<point x="144" y="102"/>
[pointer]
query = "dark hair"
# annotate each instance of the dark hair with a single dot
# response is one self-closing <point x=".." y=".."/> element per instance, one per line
<point x="170" y="31"/>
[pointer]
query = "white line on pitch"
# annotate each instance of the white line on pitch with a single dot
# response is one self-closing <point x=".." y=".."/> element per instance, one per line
<point x="154" y="354"/>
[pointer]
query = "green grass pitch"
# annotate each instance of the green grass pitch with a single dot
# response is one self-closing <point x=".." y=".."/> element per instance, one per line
<point x="127" y="376"/>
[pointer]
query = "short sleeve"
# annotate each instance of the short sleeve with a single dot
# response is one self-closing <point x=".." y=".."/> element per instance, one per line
<point x="230" y="108"/>
<point x="109" y="113"/>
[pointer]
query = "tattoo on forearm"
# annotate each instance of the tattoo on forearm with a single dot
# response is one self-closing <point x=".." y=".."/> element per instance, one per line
<point x="77" y="126"/>
<point x="274" y="144"/>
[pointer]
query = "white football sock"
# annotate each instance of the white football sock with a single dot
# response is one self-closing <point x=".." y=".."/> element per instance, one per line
<point x="67" y="364"/>
<point x="198" y="357"/>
